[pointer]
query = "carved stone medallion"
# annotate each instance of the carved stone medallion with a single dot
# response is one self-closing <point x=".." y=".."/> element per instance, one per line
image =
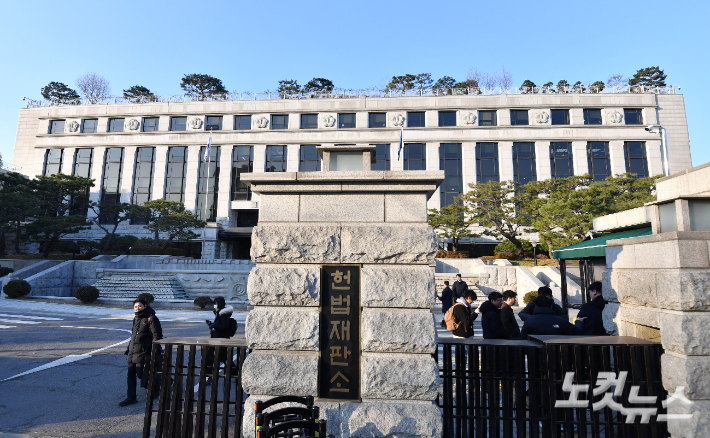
<point x="542" y="117"/>
<point x="615" y="117"/>
<point x="261" y="122"/>
<point x="328" y="121"/>
<point x="196" y="123"/>
<point x="133" y="124"/>
<point x="397" y="119"/>
<point x="469" y="118"/>
<point x="73" y="126"/>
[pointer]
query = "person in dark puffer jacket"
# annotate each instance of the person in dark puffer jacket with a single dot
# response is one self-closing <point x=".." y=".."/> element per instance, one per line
<point x="219" y="328"/>
<point x="546" y="322"/>
<point x="146" y="330"/>
<point x="463" y="315"/>
<point x="589" y="318"/>
<point x="491" y="321"/>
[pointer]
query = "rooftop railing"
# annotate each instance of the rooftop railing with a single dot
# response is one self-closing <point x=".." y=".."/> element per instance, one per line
<point x="355" y="93"/>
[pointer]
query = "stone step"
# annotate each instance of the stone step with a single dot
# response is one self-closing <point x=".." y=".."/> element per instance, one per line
<point x="165" y="287"/>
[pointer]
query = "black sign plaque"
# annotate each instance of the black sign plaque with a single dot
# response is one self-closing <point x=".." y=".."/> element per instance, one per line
<point x="339" y="375"/>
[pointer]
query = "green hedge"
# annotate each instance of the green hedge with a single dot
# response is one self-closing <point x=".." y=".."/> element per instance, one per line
<point x="203" y="302"/>
<point x="17" y="288"/>
<point x="86" y="294"/>
<point x="530" y="297"/>
<point x="157" y="251"/>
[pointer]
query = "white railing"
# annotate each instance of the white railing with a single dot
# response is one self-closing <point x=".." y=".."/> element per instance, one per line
<point x="343" y="93"/>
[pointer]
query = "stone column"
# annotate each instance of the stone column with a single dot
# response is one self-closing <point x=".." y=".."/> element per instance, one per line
<point x="542" y="160"/>
<point x="505" y="160"/>
<point x="579" y="157"/>
<point x="68" y="161"/>
<point x="97" y="168"/>
<point x="378" y="221"/>
<point x="616" y="157"/>
<point x="658" y="288"/>
<point x="127" y="168"/>
<point x="225" y="184"/>
<point x="161" y="156"/>
<point x="193" y="165"/>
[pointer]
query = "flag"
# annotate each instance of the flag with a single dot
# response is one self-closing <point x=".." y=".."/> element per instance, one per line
<point x="401" y="143"/>
<point x="207" y="149"/>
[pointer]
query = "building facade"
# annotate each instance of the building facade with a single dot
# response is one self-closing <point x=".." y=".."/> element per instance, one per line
<point x="137" y="152"/>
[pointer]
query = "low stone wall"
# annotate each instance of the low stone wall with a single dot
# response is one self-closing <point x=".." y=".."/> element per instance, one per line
<point x="56" y="281"/>
<point x="29" y="271"/>
<point x="18" y="264"/>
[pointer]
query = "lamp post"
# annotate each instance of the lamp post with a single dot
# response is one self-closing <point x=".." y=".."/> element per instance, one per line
<point x="534" y="244"/>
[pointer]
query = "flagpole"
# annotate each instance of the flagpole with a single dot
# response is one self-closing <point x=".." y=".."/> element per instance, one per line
<point x="209" y="157"/>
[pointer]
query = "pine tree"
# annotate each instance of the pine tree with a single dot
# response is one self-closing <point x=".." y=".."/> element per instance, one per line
<point x="649" y="77"/>
<point x="202" y="86"/>
<point x="57" y="92"/>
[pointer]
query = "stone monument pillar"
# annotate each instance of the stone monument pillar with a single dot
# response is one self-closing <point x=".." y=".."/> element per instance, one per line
<point x="659" y="289"/>
<point x="334" y="251"/>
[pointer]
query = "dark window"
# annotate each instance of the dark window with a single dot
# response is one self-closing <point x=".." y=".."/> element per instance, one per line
<point x="487" y="118"/>
<point x="143" y="175"/>
<point x="415" y="119"/>
<point x="519" y="117"/>
<point x="592" y="117"/>
<point x="450" y="163"/>
<point x="524" y="162"/>
<point x="56" y="126"/>
<point x="175" y="174"/>
<point x="487" y="162"/>
<point x="382" y="157"/>
<point x="89" y="125"/>
<point x="208" y="185"/>
<point x="242" y="162"/>
<point x="247" y="218"/>
<point x="309" y="121"/>
<point x="279" y="121"/>
<point x="150" y="124"/>
<point x="142" y="180"/>
<point x="561" y="164"/>
<point x="378" y="120"/>
<point x="447" y="118"/>
<point x="560" y="117"/>
<point x="415" y="156"/>
<point x="275" y="159"/>
<point x="598" y="160"/>
<point x="111" y="183"/>
<point x="115" y="125"/>
<point x="309" y="160"/>
<point x="178" y="123"/>
<point x="213" y="123"/>
<point x="633" y="116"/>
<point x="52" y="161"/>
<point x="242" y="122"/>
<point x="346" y="120"/>
<point x="83" y="158"/>
<point x="635" y="156"/>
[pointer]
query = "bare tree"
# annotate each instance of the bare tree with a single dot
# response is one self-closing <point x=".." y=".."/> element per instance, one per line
<point x="93" y="87"/>
<point x="617" y="80"/>
<point x="505" y="78"/>
<point x="490" y="80"/>
<point x="474" y="75"/>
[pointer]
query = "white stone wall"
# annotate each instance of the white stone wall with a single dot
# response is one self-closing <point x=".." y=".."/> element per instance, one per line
<point x="32" y="138"/>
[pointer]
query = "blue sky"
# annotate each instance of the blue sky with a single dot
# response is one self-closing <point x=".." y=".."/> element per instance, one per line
<point x="251" y="45"/>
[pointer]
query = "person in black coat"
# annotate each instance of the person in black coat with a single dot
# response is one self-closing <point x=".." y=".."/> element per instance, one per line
<point x="491" y="322"/>
<point x="589" y="318"/>
<point x="508" y="316"/>
<point x="447" y="300"/>
<point x="529" y="310"/>
<point x="459" y="287"/>
<point x="219" y="328"/>
<point x="546" y="322"/>
<point x="464" y="316"/>
<point x="146" y="330"/>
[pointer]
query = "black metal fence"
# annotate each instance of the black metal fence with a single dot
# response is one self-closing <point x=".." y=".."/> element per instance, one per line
<point x="498" y="388"/>
<point x="188" y="406"/>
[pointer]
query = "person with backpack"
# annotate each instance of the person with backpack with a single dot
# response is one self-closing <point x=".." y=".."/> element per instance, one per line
<point x="146" y="330"/>
<point x="459" y="318"/>
<point x="223" y="326"/>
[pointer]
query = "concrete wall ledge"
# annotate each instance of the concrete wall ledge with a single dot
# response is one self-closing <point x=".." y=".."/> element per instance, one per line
<point x="663" y="237"/>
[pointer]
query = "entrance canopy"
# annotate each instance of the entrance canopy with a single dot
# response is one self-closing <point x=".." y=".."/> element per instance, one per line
<point x="596" y="247"/>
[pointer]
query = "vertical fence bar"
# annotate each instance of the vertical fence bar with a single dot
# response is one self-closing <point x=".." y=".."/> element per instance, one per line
<point x="175" y="412"/>
<point x="200" y="408"/>
<point x="163" y="400"/>
<point x="149" y="395"/>
<point x="189" y="393"/>
<point x="226" y="394"/>
<point x="212" y="420"/>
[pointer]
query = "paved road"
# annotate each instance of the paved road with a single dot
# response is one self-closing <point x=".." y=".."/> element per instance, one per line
<point x="63" y="371"/>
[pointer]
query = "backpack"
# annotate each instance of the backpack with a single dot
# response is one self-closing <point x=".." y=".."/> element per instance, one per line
<point x="232" y="327"/>
<point x="449" y="318"/>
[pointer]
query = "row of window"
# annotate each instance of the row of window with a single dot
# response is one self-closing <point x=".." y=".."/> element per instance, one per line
<point x="592" y="116"/>
<point x="450" y="161"/>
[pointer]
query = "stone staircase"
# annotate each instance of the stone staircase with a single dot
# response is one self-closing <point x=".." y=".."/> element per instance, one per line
<point x="126" y="285"/>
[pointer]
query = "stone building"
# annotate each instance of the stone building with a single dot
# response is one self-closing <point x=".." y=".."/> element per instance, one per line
<point x="142" y="151"/>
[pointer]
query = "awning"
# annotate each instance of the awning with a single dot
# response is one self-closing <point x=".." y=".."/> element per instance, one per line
<point x="596" y="247"/>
